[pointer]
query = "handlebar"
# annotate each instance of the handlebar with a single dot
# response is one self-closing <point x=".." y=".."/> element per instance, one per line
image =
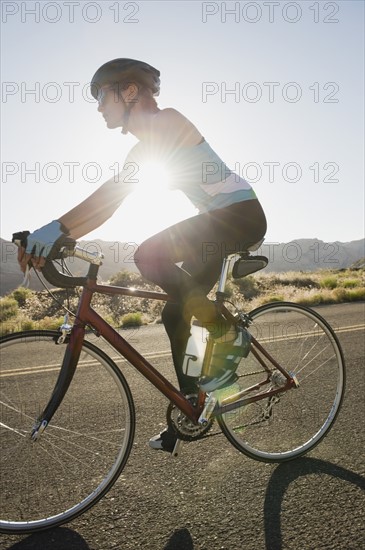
<point x="66" y="248"/>
<point x="58" y="279"/>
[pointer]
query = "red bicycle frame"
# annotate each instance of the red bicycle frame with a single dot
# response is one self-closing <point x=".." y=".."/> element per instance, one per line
<point x="86" y="315"/>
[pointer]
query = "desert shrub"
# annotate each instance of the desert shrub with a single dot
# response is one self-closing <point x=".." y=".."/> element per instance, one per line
<point x="349" y="295"/>
<point x="340" y="294"/>
<point x="247" y="286"/>
<point x="230" y="289"/>
<point x="132" y="320"/>
<point x="298" y="280"/>
<point x="330" y="282"/>
<point x="303" y="282"/>
<point x="6" y="327"/>
<point x="350" y="283"/>
<point x="126" y="278"/>
<point x="8" y="308"/>
<point x="16" y="324"/>
<point x="356" y="294"/>
<point x="27" y="324"/>
<point x="308" y="299"/>
<point x="20" y="295"/>
<point x="118" y="305"/>
<point x="273" y="298"/>
<point x="50" y="323"/>
<point x="325" y="296"/>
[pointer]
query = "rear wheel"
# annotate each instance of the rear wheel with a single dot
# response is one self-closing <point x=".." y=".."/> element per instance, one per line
<point x="289" y="424"/>
<point x="84" y="448"/>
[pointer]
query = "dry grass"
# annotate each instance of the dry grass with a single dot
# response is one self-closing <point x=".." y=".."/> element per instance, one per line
<point x="25" y="310"/>
<point x="307" y="288"/>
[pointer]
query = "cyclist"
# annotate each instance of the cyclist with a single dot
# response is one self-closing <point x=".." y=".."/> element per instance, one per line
<point x="185" y="259"/>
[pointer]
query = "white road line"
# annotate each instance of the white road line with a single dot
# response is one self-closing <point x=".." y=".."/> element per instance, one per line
<point x="151" y="355"/>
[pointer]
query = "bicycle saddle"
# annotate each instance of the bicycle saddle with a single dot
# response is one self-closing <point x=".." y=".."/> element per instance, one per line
<point x="247" y="264"/>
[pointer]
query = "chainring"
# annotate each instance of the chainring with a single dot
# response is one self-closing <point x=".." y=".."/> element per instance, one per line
<point x="183" y="427"/>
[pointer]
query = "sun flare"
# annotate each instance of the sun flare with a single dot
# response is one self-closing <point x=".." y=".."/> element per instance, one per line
<point x="151" y="178"/>
<point x="151" y="206"/>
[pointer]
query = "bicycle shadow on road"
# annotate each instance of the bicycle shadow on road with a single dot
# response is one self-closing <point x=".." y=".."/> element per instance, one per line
<point x="180" y="540"/>
<point x="62" y="538"/>
<point x="59" y="538"/>
<point x="283" y="476"/>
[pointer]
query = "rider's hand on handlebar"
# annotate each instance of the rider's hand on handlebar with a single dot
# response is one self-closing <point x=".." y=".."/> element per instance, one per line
<point x="40" y="244"/>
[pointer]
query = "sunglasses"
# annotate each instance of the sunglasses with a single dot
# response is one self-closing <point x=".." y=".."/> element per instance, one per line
<point x="103" y="93"/>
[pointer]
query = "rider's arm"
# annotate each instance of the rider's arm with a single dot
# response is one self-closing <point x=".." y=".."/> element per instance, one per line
<point x="79" y="221"/>
<point x="96" y="209"/>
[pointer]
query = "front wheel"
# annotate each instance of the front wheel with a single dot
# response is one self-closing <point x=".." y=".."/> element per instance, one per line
<point x="82" y="451"/>
<point x="291" y="423"/>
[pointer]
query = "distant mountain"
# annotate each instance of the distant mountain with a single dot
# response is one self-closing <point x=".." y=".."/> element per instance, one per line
<point x="299" y="255"/>
<point x="311" y="255"/>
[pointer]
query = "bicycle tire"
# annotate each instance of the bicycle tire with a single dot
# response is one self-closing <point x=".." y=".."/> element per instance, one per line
<point x="84" y="448"/>
<point x="300" y="340"/>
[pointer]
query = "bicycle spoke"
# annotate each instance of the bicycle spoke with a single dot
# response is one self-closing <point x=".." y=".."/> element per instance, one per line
<point x="301" y="342"/>
<point x="319" y="367"/>
<point x="84" y="447"/>
<point x="2" y="425"/>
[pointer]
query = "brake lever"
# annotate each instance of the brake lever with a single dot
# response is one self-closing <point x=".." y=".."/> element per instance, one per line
<point x="20" y="238"/>
<point x="62" y="248"/>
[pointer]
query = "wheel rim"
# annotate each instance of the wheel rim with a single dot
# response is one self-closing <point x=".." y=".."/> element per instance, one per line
<point x="85" y="446"/>
<point x="288" y="426"/>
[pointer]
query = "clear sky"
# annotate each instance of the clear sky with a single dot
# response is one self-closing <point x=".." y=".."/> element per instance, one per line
<point x="277" y="88"/>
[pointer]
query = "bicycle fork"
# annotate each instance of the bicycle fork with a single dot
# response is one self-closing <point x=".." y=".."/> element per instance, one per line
<point x="70" y="360"/>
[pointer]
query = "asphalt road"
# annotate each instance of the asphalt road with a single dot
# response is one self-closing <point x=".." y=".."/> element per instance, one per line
<point x="212" y="497"/>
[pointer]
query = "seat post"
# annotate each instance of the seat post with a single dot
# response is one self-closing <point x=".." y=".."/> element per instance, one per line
<point x="224" y="274"/>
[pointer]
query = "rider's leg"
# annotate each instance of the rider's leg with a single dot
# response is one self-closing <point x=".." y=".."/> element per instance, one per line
<point x="177" y="316"/>
<point x="189" y="283"/>
<point x="199" y="244"/>
<point x="178" y="330"/>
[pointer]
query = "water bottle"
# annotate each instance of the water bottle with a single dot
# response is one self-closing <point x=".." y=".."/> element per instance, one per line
<point x="195" y="350"/>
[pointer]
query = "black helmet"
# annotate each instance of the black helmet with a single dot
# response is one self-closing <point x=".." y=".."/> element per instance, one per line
<point x="124" y="70"/>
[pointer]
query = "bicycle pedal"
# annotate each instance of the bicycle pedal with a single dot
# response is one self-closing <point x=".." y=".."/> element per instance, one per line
<point x="177" y="448"/>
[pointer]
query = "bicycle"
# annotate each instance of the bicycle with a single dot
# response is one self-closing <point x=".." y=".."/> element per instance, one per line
<point x="68" y="418"/>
